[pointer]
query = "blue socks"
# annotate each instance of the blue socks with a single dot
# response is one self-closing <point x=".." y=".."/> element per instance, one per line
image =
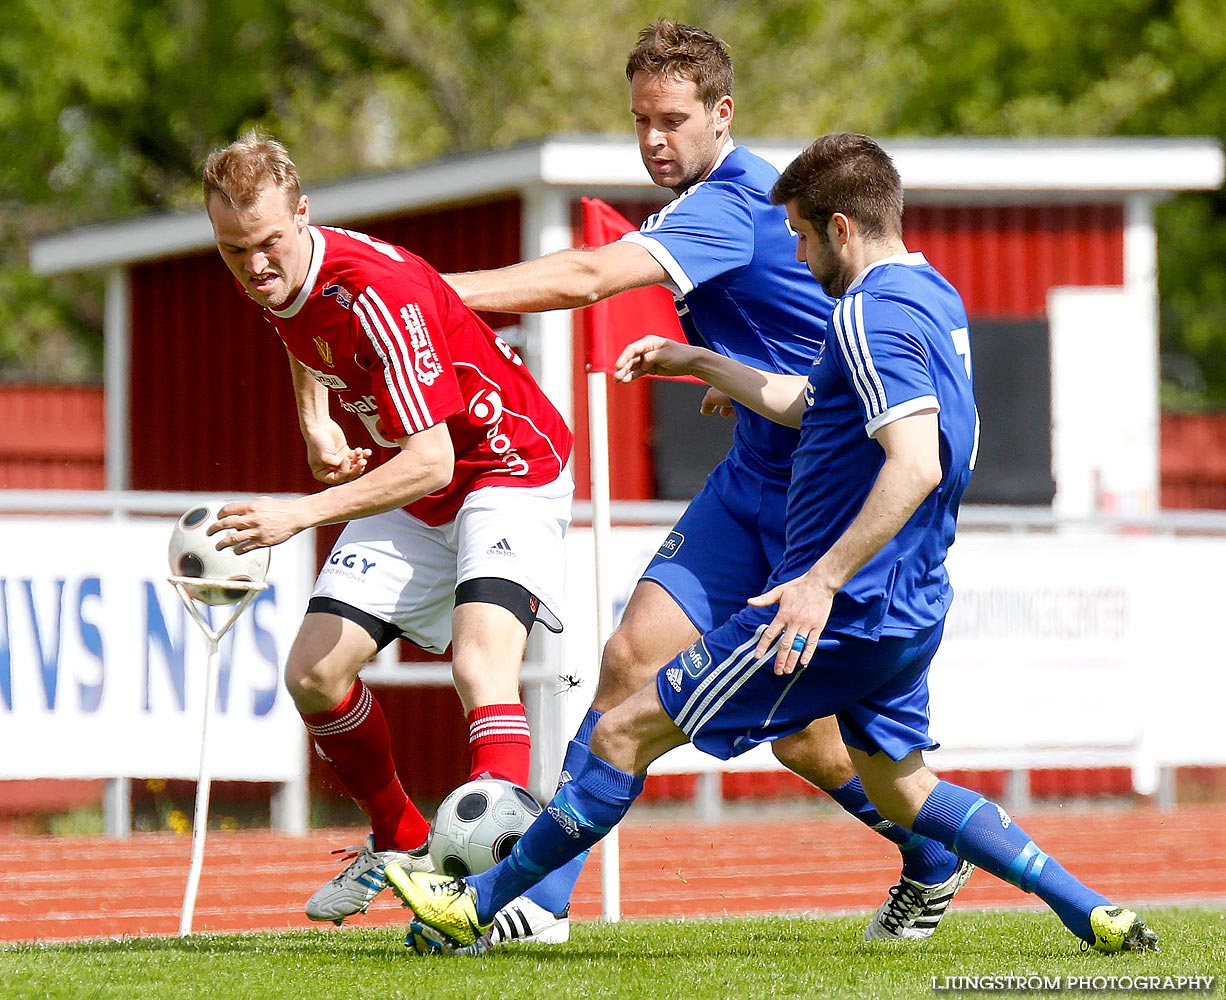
<point x="582" y="812"/>
<point x="924" y="861"/>
<point x="985" y="835"/>
<point x="554" y="891"/>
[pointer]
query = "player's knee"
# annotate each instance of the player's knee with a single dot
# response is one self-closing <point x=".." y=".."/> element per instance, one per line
<point x="317" y="685"/>
<point x="304" y="685"/>
<point x="623" y="668"/>
<point x="480" y="682"/>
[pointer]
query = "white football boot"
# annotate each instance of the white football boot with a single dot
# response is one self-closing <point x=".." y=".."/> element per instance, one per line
<point x="913" y="910"/>
<point x="362" y="880"/>
<point x="521" y="921"/>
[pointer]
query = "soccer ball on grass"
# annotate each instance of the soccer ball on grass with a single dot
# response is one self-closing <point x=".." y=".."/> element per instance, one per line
<point x="476" y="826"/>
<point x="194" y="553"/>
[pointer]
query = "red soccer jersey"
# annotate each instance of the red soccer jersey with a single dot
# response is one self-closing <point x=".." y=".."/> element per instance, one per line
<point x="379" y="327"/>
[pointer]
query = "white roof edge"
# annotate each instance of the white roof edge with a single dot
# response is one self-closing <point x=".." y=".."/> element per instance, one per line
<point x="1097" y="166"/>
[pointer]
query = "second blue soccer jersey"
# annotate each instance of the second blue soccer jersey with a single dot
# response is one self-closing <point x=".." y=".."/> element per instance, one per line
<point x="899" y="344"/>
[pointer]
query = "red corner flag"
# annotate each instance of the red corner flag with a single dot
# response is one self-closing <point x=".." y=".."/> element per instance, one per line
<point x="614" y="322"/>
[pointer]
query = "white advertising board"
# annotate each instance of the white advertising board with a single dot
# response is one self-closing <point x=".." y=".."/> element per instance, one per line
<point x="1083" y="642"/>
<point x="102" y="670"/>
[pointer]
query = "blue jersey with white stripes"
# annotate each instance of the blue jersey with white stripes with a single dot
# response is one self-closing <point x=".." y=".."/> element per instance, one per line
<point x="741" y="292"/>
<point x="898" y="345"/>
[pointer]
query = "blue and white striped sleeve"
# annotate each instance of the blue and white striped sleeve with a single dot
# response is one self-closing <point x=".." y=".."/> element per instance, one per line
<point x="884" y="359"/>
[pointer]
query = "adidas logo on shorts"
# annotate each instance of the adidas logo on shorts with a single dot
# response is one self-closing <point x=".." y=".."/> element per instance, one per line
<point x="674" y="677"/>
<point x="500" y="548"/>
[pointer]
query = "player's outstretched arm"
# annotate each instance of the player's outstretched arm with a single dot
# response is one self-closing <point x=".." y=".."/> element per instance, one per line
<point x="777" y="397"/>
<point x="567" y="279"/>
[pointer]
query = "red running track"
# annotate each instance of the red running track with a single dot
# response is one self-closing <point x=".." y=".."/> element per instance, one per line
<point x="80" y="887"/>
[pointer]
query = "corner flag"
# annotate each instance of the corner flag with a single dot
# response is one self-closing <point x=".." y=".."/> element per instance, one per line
<point x="608" y="326"/>
<point x="614" y="322"/>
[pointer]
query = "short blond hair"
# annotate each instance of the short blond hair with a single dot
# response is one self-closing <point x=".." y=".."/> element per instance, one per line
<point x="237" y="173"/>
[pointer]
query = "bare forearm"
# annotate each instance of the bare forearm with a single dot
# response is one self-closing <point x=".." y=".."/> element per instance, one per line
<point x="777" y="397"/>
<point x="912" y="470"/>
<point x="423" y="465"/>
<point x="567" y="279"/>
<point x="894" y="498"/>
<point x="397" y="483"/>
<point x="310" y="397"/>
<point x="534" y="286"/>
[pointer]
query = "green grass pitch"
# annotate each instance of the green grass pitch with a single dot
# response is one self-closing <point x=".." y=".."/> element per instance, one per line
<point x="638" y="960"/>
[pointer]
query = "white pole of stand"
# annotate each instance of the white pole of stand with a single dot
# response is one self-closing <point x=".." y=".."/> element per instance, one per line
<point x="204" y="781"/>
<point x="204" y="777"/>
<point x="598" y="448"/>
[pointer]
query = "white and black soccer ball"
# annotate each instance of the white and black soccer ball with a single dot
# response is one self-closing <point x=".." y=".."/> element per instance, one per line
<point x="194" y="553"/>
<point x="477" y="825"/>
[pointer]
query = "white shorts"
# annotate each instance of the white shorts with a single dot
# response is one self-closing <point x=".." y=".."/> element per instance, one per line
<point x="403" y="571"/>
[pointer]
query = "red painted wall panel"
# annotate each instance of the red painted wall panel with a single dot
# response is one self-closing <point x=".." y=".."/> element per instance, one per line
<point x="52" y="437"/>
<point x="1192" y="458"/>
<point x="1005" y="258"/>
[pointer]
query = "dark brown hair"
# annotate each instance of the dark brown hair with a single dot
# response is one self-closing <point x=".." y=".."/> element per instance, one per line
<point x="847" y="173"/>
<point x="681" y="51"/>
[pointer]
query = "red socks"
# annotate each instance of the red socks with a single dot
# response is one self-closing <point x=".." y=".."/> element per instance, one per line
<point x="353" y="737"/>
<point x="501" y="742"/>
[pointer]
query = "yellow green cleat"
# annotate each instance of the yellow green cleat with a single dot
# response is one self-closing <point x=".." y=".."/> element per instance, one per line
<point x="440" y="902"/>
<point x="1116" y="929"/>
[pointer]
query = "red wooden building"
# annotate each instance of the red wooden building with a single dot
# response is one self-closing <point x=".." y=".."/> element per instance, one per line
<point x="197" y="397"/>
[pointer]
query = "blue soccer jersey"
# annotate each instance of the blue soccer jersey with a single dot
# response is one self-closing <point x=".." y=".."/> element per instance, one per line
<point x="898" y="344"/>
<point x="732" y="261"/>
<point x="741" y="292"/>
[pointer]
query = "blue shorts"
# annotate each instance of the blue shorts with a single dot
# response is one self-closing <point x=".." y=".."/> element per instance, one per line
<point x="722" y="550"/>
<point x="727" y="701"/>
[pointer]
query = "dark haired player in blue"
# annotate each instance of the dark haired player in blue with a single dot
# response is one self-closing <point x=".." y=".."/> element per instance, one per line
<point x="724" y="249"/>
<point x="854" y="612"/>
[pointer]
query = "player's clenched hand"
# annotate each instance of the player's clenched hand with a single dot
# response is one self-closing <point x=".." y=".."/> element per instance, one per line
<point x="260" y="522"/>
<point x="341" y="467"/>
<point x="653" y="356"/>
<point x="804" y="607"/>
<point x="331" y="459"/>
<point x="715" y="401"/>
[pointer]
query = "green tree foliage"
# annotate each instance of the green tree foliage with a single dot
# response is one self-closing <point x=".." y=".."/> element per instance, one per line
<point x="107" y="109"/>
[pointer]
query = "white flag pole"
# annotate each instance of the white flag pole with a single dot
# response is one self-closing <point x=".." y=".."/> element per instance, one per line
<point x="204" y="777"/>
<point x="598" y="450"/>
